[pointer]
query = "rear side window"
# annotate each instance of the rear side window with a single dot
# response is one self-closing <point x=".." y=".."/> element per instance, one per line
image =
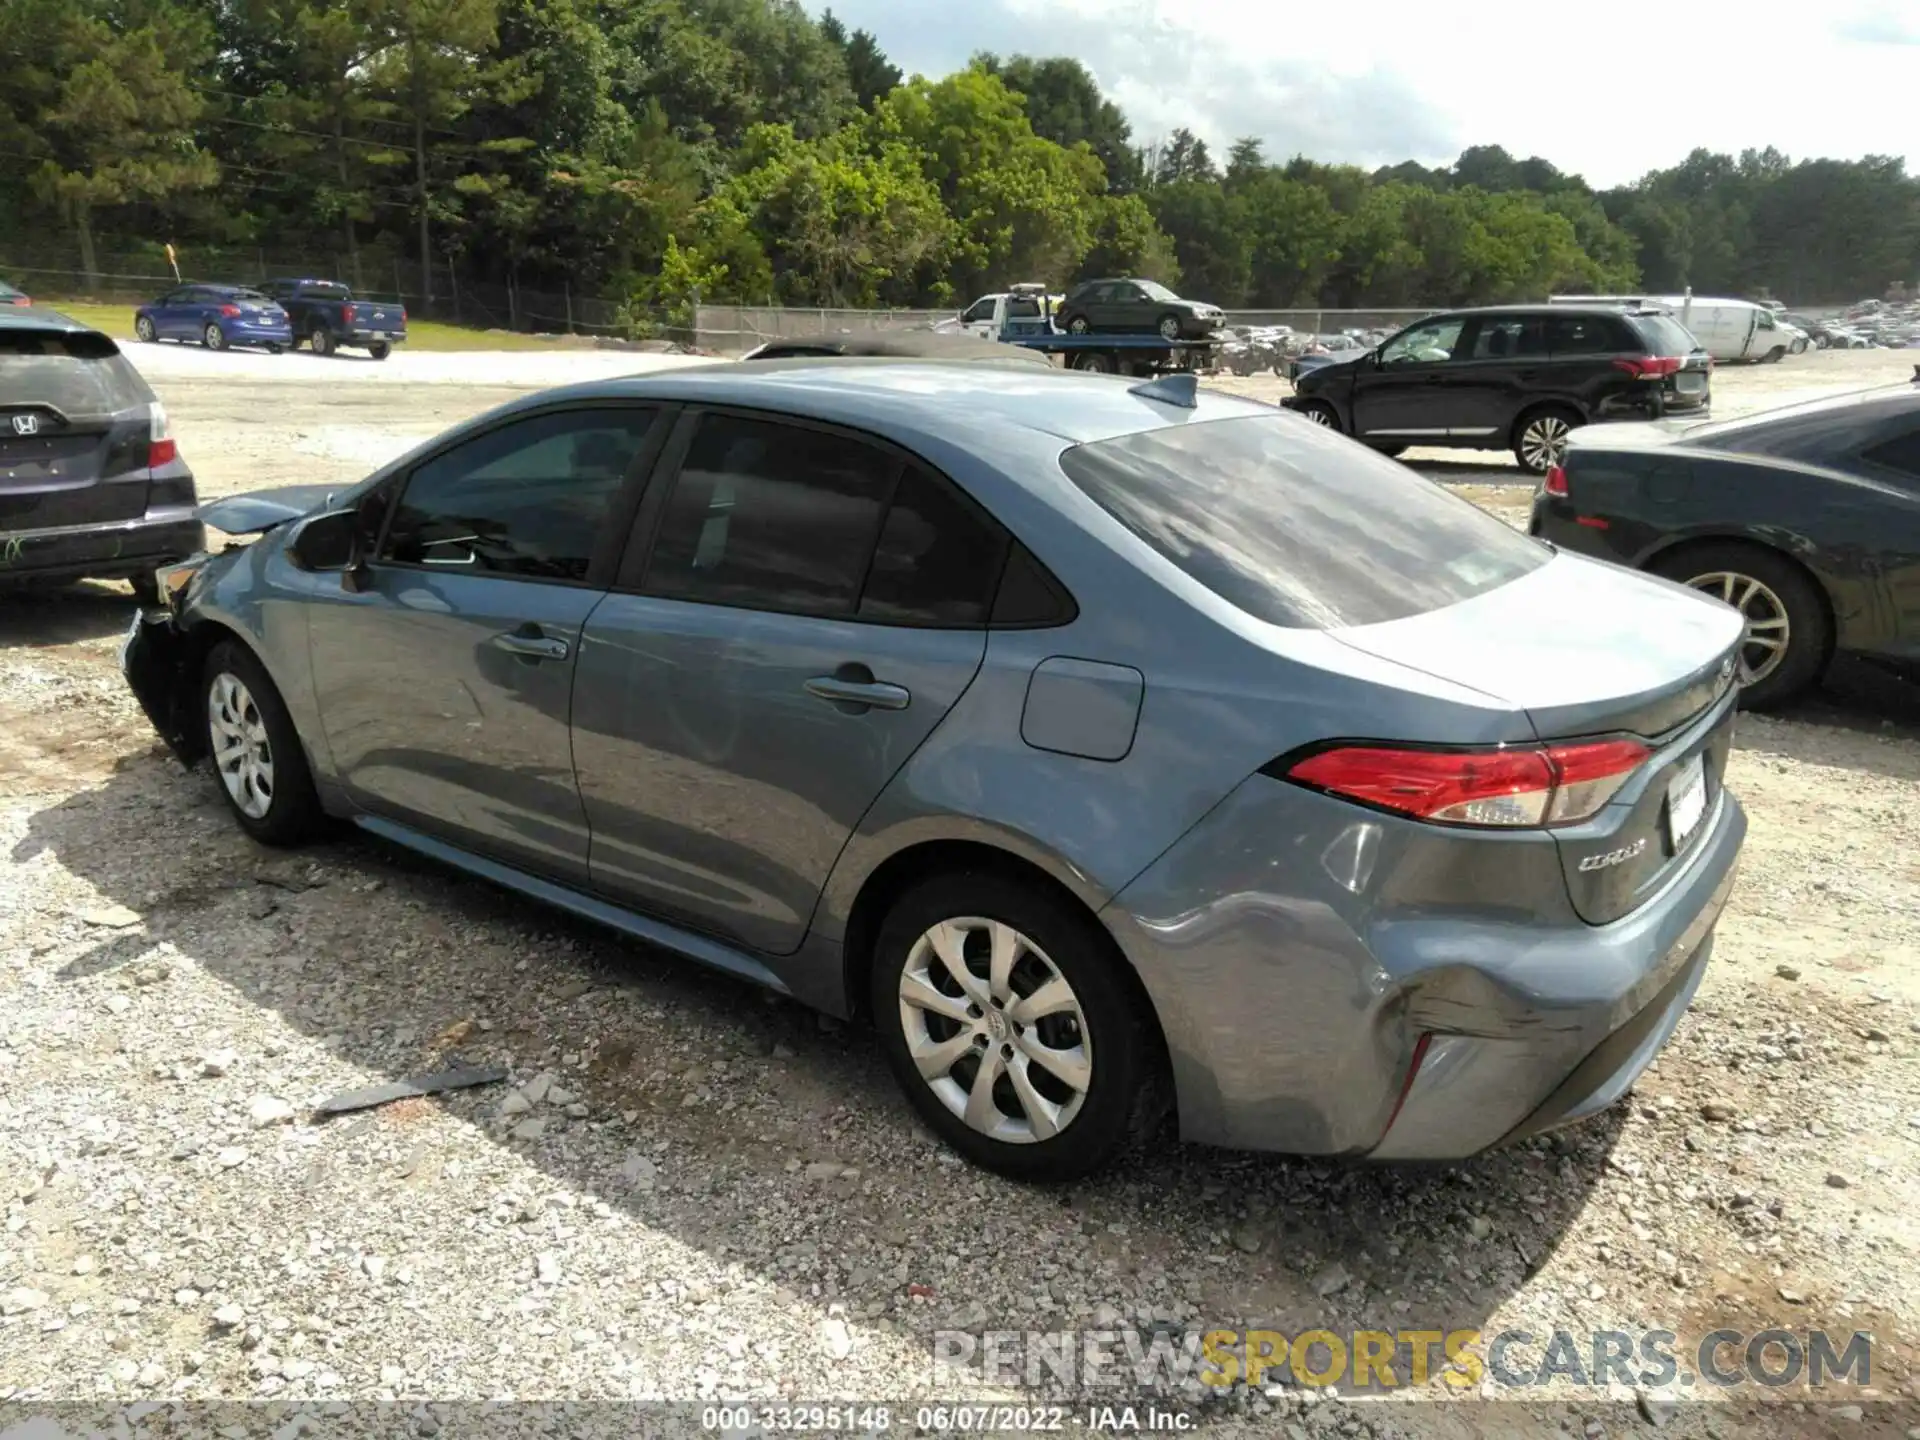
<point x="1587" y="335"/>
<point x="939" y="558"/>
<point x="1297" y="526"/>
<point x="1510" y="337"/>
<point x="767" y="516"/>
<point x="76" y="373"/>
<point x="530" y="499"/>
<point x="1901" y="453"/>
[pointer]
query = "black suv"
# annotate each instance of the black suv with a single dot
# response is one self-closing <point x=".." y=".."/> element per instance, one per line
<point x="1138" y="307"/>
<point x="1518" y="376"/>
<point x="91" y="483"/>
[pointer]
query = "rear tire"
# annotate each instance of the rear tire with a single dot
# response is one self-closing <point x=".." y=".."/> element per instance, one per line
<point x="1779" y="601"/>
<point x="1079" y="325"/>
<point x="1392" y="452"/>
<point x="1093" y="364"/>
<point x="273" y="349"/>
<point x="255" y="751"/>
<point x="321" y="341"/>
<point x="380" y="350"/>
<point x="1069" y="1087"/>
<point x="213" y="337"/>
<point x="1540" y="437"/>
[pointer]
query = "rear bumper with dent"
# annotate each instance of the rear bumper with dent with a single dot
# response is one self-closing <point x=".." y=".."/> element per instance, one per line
<point x="1296" y="950"/>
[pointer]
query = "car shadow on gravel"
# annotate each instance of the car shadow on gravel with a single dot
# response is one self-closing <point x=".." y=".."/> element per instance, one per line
<point x="742" y="1125"/>
<point x="62" y="616"/>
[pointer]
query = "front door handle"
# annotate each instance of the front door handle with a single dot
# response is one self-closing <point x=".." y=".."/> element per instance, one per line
<point x="874" y="693"/>
<point x="532" y="646"/>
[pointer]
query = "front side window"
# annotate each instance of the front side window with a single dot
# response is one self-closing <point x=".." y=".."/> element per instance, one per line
<point x="530" y="499"/>
<point x="982" y="310"/>
<point x="1296" y="526"/>
<point x="1429" y="343"/>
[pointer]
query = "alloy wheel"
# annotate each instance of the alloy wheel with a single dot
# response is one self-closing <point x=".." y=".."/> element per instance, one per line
<point x="1320" y="415"/>
<point x="995" y="1030"/>
<point x="241" y="751"/>
<point x="215" y="337"/>
<point x="1543" y="444"/>
<point x="1768" y="632"/>
<point x="143" y="330"/>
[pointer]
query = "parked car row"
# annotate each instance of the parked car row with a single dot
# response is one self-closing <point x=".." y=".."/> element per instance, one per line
<point x="279" y="315"/>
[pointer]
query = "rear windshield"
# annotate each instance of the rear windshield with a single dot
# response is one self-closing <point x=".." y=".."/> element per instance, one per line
<point x="1665" y="335"/>
<point x="1298" y="526"/>
<point x="79" y="373"/>
<point x="324" y="291"/>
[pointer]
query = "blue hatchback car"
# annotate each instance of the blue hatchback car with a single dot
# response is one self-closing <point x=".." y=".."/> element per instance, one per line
<point x="1101" y="742"/>
<point x="216" y="316"/>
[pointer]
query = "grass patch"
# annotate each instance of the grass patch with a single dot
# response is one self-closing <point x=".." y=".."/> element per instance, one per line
<point x="117" y="321"/>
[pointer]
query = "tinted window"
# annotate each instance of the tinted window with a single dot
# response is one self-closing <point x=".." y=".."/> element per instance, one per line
<point x="1508" y="337"/>
<point x="938" y="560"/>
<point x="528" y="499"/>
<point x="78" y="373"/>
<point x="1297" y="526"/>
<point x="1582" y="335"/>
<point x="1023" y="307"/>
<point x="1901" y="453"/>
<point x="1424" y="344"/>
<point x="771" y="517"/>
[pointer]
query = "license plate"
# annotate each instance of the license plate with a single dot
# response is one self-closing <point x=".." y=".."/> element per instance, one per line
<point x="1686" y="801"/>
<point x="1692" y="384"/>
<point x="379" y="334"/>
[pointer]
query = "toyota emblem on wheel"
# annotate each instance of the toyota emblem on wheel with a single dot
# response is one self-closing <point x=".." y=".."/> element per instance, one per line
<point x="26" y="424"/>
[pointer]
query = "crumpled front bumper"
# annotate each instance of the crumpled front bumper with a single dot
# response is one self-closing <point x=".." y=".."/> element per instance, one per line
<point x="155" y="657"/>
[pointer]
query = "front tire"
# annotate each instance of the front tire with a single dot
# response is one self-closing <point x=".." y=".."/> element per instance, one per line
<point x="143" y="330"/>
<point x="1540" y="438"/>
<point x="213" y="337"/>
<point x="255" y="751"/>
<point x="1006" y="1020"/>
<point x="1169" y="327"/>
<point x="1321" y="413"/>
<point x="1789" y="634"/>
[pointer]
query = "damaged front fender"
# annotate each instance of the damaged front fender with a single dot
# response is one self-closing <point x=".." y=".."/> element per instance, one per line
<point x="157" y="657"/>
<point x="259" y="511"/>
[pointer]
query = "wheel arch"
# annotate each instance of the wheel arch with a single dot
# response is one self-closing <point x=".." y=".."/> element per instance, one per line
<point x="907" y="867"/>
<point x="1670" y="551"/>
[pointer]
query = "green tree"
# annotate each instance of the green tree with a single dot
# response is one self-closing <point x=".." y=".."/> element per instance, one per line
<point x="1127" y="241"/>
<point x="1208" y="239"/>
<point x="98" y="106"/>
<point x="869" y="71"/>
<point x="1064" y="104"/>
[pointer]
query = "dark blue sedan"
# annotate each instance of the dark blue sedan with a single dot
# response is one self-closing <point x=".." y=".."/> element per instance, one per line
<point x="215" y="316"/>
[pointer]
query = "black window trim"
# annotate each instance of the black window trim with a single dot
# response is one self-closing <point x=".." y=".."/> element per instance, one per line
<point x="604" y="561"/>
<point x="637" y="560"/>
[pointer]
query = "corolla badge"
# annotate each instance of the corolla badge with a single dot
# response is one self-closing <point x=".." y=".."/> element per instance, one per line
<point x="1611" y="858"/>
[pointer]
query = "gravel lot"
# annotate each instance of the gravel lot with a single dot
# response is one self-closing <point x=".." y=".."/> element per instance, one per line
<point x="690" y="1190"/>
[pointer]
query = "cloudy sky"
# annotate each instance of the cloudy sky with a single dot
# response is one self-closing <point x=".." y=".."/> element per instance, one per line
<point x="1606" y="91"/>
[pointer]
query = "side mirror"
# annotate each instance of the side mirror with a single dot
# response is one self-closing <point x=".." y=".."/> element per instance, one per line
<point x="327" y="543"/>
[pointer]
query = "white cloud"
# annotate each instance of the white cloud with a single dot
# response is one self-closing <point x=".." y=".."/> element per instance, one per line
<point x="1608" y="94"/>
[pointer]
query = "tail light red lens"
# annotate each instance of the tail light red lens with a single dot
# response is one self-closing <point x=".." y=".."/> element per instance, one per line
<point x="1649" y="367"/>
<point x="161" y="446"/>
<point x="229" y="310"/>
<point x="1556" y="481"/>
<point x="1514" y="788"/>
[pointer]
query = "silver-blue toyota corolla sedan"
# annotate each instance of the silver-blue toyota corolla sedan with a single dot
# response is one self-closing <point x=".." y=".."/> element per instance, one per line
<point x="1105" y="744"/>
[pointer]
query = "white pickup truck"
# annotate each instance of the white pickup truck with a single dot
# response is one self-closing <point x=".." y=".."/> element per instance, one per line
<point x="1026" y="307"/>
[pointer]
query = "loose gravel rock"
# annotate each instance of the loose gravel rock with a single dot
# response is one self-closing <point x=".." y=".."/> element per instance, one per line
<point x="694" y="1191"/>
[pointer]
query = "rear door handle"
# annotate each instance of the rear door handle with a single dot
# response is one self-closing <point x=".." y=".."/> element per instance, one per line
<point x="532" y="646"/>
<point x="875" y="693"/>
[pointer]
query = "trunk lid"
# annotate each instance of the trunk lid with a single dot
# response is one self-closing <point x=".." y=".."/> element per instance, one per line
<point x="1587" y="649"/>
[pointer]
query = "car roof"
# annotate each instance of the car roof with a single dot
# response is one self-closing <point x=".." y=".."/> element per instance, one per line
<point x="41" y="318"/>
<point x="1596" y="307"/>
<point x="904" y="344"/>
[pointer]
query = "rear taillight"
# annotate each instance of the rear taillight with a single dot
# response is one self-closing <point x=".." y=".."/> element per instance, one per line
<point x="161" y="448"/>
<point x="1556" y="481"/>
<point x="229" y="310"/>
<point x="1648" y="367"/>
<point x="1513" y="787"/>
<point x="349" y="313"/>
